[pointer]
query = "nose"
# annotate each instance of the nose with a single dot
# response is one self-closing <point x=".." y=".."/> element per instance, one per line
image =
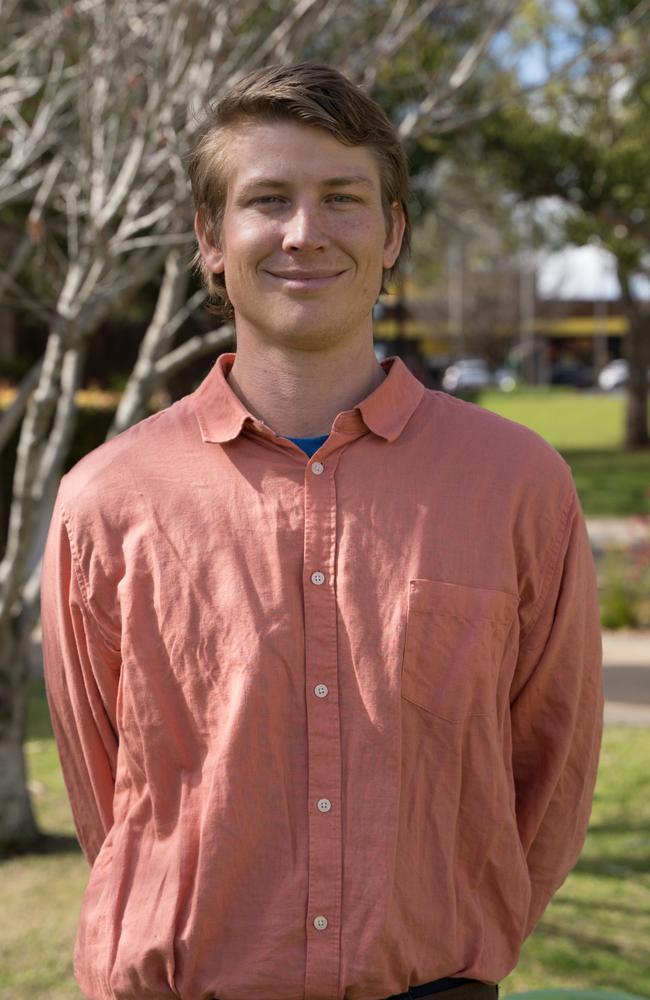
<point x="304" y="231"/>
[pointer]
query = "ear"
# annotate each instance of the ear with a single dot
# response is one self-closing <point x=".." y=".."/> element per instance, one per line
<point x="212" y="255"/>
<point x="393" y="243"/>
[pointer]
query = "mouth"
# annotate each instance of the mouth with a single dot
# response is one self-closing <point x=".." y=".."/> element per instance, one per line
<point x="306" y="279"/>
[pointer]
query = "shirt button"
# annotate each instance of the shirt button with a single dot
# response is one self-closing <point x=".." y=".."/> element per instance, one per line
<point x="324" y="805"/>
<point x="321" y="690"/>
<point x="317" y="468"/>
<point x="320" y="923"/>
<point x="317" y="577"/>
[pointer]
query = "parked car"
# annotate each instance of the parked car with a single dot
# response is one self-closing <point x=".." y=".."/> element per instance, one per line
<point x="572" y="373"/>
<point x="615" y="375"/>
<point x="467" y="373"/>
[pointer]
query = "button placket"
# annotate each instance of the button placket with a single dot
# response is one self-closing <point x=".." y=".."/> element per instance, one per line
<point x="323" y="733"/>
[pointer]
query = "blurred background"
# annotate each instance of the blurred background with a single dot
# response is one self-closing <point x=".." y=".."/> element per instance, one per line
<point x="527" y="129"/>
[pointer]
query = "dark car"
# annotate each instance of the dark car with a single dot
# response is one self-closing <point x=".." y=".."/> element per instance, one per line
<point x="572" y="373"/>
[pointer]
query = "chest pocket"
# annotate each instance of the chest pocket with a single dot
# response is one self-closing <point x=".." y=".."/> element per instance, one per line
<point x="454" y="646"/>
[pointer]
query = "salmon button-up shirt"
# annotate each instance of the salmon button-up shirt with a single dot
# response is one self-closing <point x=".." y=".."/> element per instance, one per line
<point x="329" y="725"/>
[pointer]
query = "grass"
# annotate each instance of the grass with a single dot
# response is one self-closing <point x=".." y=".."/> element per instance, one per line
<point x="587" y="429"/>
<point x="593" y="935"/>
<point x="568" y="419"/>
<point x="611" y="483"/>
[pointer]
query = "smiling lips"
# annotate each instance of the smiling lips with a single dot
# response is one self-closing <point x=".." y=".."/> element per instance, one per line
<point x="306" y="279"/>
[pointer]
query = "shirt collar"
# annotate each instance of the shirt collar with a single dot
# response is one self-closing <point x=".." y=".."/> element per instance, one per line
<point x="221" y="414"/>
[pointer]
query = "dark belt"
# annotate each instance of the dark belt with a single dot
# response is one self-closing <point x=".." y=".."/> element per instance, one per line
<point x="463" y="989"/>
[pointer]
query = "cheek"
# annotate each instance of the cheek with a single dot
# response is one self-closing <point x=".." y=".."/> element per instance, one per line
<point x="247" y="241"/>
<point x="368" y="239"/>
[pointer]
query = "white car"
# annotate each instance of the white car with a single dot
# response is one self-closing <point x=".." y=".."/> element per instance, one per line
<point x="615" y="375"/>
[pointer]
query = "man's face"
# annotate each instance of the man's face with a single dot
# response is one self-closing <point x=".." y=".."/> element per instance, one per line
<point x="304" y="239"/>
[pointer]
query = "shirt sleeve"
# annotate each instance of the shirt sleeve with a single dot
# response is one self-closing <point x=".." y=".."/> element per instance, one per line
<point x="557" y="713"/>
<point x="81" y="671"/>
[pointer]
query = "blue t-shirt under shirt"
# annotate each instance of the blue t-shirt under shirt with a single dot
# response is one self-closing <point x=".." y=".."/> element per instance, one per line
<point x="310" y="445"/>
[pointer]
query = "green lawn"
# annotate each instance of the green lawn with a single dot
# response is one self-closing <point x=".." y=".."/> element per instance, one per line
<point x="611" y="483"/>
<point x="587" y="429"/>
<point x="567" y="418"/>
<point x="594" y="934"/>
<point x="596" y="931"/>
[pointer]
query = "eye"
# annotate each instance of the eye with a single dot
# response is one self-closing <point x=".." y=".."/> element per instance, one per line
<point x="342" y="199"/>
<point x="267" y="199"/>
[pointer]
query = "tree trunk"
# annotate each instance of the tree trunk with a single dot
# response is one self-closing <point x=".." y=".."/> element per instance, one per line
<point x="42" y="449"/>
<point x="18" y="830"/>
<point x="637" y="352"/>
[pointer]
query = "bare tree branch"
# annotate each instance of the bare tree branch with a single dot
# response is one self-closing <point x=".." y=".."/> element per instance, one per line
<point x="196" y="347"/>
<point x="11" y="417"/>
<point x="427" y="112"/>
<point x="170" y="312"/>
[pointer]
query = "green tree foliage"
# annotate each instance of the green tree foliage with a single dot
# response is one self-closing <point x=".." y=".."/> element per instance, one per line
<point x="584" y="139"/>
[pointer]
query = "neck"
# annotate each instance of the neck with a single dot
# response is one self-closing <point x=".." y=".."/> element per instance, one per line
<point x="300" y="393"/>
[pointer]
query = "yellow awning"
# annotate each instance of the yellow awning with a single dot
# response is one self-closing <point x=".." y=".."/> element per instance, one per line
<point x="582" y="326"/>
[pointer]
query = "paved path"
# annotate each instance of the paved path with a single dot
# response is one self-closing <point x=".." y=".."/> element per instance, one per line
<point x="626" y="653"/>
<point x="619" y="531"/>
<point x="626" y="672"/>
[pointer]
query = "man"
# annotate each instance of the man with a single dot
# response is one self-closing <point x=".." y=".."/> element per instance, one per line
<point x="322" y="646"/>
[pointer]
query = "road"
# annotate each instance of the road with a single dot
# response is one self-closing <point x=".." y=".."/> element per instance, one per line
<point x="626" y="672"/>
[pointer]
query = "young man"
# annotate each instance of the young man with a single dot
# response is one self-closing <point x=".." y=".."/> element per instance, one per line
<point x="321" y="645"/>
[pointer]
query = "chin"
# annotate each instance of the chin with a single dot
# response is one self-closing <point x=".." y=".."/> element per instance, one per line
<point x="303" y="327"/>
<point x="308" y="339"/>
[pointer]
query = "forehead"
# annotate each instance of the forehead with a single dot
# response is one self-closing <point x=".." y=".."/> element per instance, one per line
<point x="293" y="153"/>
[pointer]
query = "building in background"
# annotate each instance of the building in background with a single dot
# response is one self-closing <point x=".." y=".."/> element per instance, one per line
<point x="554" y="318"/>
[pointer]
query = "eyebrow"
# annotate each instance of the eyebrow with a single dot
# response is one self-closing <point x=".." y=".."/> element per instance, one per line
<point x="331" y="182"/>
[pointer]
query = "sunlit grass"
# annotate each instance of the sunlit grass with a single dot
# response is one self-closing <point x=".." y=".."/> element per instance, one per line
<point x="567" y="419"/>
<point x="595" y="933"/>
